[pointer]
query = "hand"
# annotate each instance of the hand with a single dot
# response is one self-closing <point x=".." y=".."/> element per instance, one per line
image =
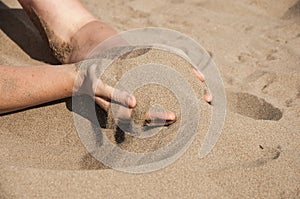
<point x="88" y="83"/>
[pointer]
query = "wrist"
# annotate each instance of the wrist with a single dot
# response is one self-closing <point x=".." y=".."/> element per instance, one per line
<point x="70" y="74"/>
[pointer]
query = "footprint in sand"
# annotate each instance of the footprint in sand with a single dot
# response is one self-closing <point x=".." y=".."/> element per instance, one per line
<point x="252" y="106"/>
<point x="268" y="154"/>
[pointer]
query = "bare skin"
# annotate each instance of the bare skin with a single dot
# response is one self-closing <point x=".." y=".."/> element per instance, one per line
<point x="72" y="32"/>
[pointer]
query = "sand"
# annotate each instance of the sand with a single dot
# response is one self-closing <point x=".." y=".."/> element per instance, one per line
<point x="255" y="45"/>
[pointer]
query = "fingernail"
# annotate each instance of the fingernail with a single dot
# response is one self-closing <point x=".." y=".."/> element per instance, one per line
<point x="208" y="97"/>
<point x="130" y="100"/>
<point x="171" y="116"/>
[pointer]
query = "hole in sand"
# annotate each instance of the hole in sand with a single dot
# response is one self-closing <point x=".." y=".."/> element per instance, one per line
<point x="252" y="106"/>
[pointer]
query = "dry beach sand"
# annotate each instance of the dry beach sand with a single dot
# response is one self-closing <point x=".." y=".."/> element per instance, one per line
<point x="256" y="46"/>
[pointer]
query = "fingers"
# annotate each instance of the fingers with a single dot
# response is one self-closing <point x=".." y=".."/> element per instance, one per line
<point x="121" y="113"/>
<point x="153" y="118"/>
<point x="201" y="77"/>
<point x="102" y="103"/>
<point x="107" y="92"/>
<point x="208" y="97"/>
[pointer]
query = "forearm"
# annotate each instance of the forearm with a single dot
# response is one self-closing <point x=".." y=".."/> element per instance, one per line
<point x="25" y="86"/>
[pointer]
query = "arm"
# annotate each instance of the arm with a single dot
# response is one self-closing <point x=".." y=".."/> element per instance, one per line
<point x="22" y="87"/>
<point x="72" y="32"/>
<point x="25" y="86"/>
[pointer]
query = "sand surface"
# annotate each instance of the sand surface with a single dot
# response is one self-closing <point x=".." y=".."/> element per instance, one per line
<point x="256" y="46"/>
